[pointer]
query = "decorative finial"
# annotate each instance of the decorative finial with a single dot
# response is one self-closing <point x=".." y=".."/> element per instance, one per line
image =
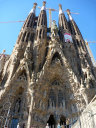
<point x="43" y="7"/>
<point x="35" y="4"/>
<point x="33" y="9"/>
<point x="44" y="3"/>
<point x="69" y="14"/>
<point x="60" y="9"/>
<point x="60" y="6"/>
<point x="68" y="11"/>
<point x="4" y="51"/>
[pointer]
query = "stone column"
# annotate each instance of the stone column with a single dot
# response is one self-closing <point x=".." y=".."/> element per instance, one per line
<point x="30" y="111"/>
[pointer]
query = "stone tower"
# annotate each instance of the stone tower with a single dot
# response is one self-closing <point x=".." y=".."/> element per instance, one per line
<point x="49" y="76"/>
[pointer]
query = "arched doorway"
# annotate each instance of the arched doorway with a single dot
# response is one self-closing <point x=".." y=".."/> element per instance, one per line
<point x="51" y="121"/>
<point x="62" y="120"/>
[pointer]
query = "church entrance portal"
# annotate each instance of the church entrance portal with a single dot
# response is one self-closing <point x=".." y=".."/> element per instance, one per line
<point x="51" y="121"/>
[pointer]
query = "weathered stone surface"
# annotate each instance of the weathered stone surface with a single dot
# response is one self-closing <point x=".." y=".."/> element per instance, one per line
<point x="46" y="80"/>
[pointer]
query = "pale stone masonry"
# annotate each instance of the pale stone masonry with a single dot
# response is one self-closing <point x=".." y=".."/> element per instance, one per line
<point x="49" y="77"/>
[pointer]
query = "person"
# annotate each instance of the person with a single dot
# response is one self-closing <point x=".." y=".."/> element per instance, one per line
<point x="18" y="126"/>
<point x="23" y="125"/>
<point x="47" y="126"/>
<point x="58" y="126"/>
<point x="67" y="123"/>
<point x="62" y="126"/>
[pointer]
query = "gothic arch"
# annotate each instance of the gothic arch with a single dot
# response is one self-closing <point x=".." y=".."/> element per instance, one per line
<point x="18" y="102"/>
<point x="56" y="56"/>
<point x="23" y="75"/>
<point x="22" y="69"/>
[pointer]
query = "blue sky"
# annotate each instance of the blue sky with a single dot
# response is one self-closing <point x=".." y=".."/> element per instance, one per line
<point x="14" y="10"/>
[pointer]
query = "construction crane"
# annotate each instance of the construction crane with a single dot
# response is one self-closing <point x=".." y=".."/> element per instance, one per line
<point x="68" y="11"/>
<point x="50" y="15"/>
<point x="89" y="50"/>
<point x="12" y="21"/>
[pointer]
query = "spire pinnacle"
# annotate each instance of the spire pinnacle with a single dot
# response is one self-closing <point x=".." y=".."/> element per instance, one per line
<point x="68" y="11"/>
<point x="60" y="9"/>
<point x="43" y="7"/>
<point x="69" y="14"/>
<point x="34" y="6"/>
<point x="33" y="9"/>
<point x="44" y="3"/>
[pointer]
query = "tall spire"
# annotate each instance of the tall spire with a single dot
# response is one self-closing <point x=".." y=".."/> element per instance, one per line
<point x="26" y="34"/>
<point x="62" y="19"/>
<point x="63" y="24"/>
<point x="34" y="8"/>
<point x="42" y="23"/>
<point x="29" y="23"/>
<point x="69" y="14"/>
<point x="43" y="7"/>
<point x="74" y="26"/>
<point x="30" y="18"/>
<point x="41" y="38"/>
<point x="76" y="32"/>
<point x="60" y="9"/>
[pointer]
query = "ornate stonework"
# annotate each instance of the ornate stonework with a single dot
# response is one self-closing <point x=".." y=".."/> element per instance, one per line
<point x="46" y="80"/>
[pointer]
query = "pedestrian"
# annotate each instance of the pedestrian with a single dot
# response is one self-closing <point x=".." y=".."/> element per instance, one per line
<point x="47" y="126"/>
<point x="62" y="126"/>
<point x="23" y="125"/>
<point x="67" y="123"/>
<point x="58" y="126"/>
<point x="18" y="126"/>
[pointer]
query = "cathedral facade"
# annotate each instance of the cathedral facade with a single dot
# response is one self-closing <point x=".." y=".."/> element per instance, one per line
<point x="49" y="77"/>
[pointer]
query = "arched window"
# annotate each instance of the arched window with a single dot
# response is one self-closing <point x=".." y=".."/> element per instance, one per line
<point x="40" y="33"/>
<point x="18" y="101"/>
<point x="56" y="57"/>
<point x="52" y="99"/>
<point x="23" y="36"/>
<point x="17" y="106"/>
<point x="27" y="37"/>
<point x="60" y="98"/>
<point x="23" y="76"/>
<point x="55" y="82"/>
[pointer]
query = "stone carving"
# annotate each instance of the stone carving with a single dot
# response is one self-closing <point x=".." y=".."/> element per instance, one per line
<point x="18" y="106"/>
<point x="50" y="64"/>
<point x="54" y="30"/>
<point x="28" y="52"/>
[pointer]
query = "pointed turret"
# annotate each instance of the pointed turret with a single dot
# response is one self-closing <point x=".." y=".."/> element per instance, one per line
<point x="76" y="32"/>
<point x="27" y="29"/>
<point x="27" y="34"/>
<point x="42" y="23"/>
<point x="41" y="38"/>
<point x="74" y="28"/>
<point x="63" y="24"/>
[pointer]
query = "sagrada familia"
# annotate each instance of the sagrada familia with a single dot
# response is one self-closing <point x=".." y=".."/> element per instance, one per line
<point x="49" y="77"/>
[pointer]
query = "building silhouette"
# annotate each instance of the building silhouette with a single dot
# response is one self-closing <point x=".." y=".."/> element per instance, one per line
<point x="49" y="77"/>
